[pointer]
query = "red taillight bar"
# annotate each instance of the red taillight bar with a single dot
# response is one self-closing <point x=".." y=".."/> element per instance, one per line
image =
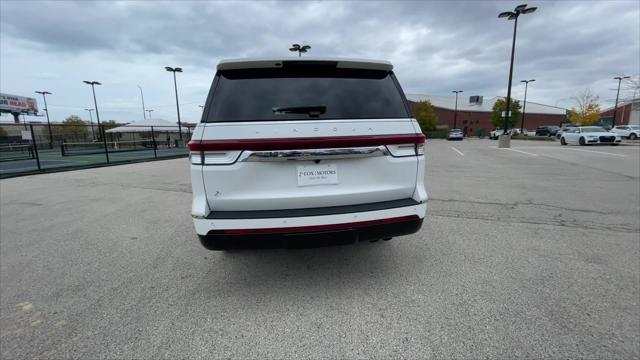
<point x="351" y="225"/>
<point x="306" y="143"/>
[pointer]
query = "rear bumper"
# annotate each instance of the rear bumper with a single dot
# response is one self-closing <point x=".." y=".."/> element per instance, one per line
<point x="368" y="225"/>
<point x="299" y="237"/>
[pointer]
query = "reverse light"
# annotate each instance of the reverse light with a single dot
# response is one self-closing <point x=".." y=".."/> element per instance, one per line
<point x="402" y="150"/>
<point x="214" y="157"/>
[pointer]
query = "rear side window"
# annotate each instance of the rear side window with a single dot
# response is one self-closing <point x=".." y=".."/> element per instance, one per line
<point x="305" y="93"/>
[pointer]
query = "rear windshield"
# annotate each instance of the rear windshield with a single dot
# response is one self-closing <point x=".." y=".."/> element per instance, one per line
<point x="305" y="93"/>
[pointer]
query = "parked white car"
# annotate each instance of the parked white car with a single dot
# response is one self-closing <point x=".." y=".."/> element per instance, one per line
<point x="630" y="132"/>
<point x="292" y="151"/>
<point x="455" y="134"/>
<point x="495" y="133"/>
<point x="588" y="135"/>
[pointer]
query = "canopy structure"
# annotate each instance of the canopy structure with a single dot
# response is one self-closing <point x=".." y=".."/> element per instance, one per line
<point x="159" y="125"/>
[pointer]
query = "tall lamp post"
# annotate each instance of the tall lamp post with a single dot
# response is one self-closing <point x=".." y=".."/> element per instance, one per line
<point x="513" y="15"/>
<point x="95" y="106"/>
<point x="93" y="134"/>
<point x="144" y="115"/>
<point x="615" y="108"/>
<point x="175" y="85"/>
<point x="299" y="49"/>
<point x="46" y="110"/>
<point x="524" y="108"/>
<point x="455" y="112"/>
<point x="149" y="111"/>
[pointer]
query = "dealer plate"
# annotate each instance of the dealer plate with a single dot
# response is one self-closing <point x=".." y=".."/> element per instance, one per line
<point x="322" y="174"/>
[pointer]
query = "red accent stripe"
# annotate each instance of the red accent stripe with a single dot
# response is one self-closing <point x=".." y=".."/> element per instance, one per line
<point x="306" y="143"/>
<point x="351" y="225"/>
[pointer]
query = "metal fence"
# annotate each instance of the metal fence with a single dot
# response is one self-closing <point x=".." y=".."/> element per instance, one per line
<point x="33" y="148"/>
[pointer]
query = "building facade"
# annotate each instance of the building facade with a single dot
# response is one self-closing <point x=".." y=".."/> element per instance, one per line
<point x="474" y="113"/>
<point x="628" y="113"/>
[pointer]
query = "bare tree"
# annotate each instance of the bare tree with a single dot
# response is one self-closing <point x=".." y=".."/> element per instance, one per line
<point x="631" y="89"/>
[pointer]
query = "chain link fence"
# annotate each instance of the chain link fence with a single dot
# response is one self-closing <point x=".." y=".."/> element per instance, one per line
<point x="33" y="148"/>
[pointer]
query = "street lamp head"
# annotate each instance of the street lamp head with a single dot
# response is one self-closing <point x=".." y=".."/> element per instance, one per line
<point x="178" y="69"/>
<point x="43" y="92"/>
<point x="621" y="77"/>
<point x="92" y="82"/>
<point x="521" y="7"/>
<point x="168" y="68"/>
<point x="532" y="80"/>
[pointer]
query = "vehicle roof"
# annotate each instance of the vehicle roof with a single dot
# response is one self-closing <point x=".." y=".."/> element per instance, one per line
<point x="262" y="63"/>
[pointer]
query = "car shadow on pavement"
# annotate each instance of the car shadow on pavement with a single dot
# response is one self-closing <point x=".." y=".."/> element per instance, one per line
<point x="322" y="269"/>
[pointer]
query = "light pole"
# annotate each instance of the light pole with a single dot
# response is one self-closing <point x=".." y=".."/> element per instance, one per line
<point x="149" y="111"/>
<point x="524" y="108"/>
<point x="455" y="112"/>
<point x="93" y="134"/>
<point x="615" y="108"/>
<point x="513" y="15"/>
<point x="142" y="97"/>
<point x="95" y="106"/>
<point x="46" y="109"/>
<point x="175" y="85"/>
<point x="299" y="49"/>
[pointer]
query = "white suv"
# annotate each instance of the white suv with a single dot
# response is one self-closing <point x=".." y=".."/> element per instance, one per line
<point x="295" y="151"/>
<point x="630" y="132"/>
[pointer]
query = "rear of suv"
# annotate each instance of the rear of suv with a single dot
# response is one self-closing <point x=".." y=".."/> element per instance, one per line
<point x="295" y="151"/>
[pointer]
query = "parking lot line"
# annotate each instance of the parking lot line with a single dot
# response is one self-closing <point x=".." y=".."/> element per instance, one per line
<point x="456" y="150"/>
<point x="597" y="152"/>
<point x="510" y="149"/>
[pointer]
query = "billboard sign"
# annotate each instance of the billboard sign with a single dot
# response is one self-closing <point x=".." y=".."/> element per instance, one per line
<point x="18" y="104"/>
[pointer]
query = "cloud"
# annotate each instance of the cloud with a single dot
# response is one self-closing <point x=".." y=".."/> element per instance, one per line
<point x="435" y="46"/>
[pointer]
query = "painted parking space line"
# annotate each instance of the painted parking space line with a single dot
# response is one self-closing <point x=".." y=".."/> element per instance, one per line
<point x="510" y="149"/>
<point x="596" y="152"/>
<point x="456" y="150"/>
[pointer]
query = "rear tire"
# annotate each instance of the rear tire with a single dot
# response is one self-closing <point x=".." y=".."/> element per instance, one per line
<point x="582" y="141"/>
<point x="563" y="141"/>
<point x="633" y="137"/>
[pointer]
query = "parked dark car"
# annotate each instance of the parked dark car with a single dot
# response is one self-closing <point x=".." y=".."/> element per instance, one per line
<point x="547" y="130"/>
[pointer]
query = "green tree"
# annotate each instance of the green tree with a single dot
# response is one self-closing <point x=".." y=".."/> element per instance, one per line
<point x="72" y="129"/>
<point x="499" y="106"/>
<point x="426" y="116"/>
<point x="587" y="109"/>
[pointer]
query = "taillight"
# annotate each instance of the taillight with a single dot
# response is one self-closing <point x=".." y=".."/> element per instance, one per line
<point x="402" y="150"/>
<point x="222" y="152"/>
<point x="214" y="157"/>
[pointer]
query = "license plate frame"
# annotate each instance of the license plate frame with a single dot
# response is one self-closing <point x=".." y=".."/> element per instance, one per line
<point x="317" y="174"/>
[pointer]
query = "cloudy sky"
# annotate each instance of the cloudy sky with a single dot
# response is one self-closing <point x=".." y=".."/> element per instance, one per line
<point x="435" y="47"/>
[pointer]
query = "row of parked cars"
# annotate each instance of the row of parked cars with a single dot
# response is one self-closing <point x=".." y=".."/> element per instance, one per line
<point x="630" y="132"/>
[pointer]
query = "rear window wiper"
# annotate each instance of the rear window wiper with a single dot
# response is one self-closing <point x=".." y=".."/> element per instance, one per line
<point x="312" y="111"/>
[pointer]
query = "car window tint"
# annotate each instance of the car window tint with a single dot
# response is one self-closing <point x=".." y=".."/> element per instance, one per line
<point x="252" y="95"/>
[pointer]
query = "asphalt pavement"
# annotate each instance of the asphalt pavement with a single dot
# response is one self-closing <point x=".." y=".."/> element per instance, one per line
<point x="528" y="252"/>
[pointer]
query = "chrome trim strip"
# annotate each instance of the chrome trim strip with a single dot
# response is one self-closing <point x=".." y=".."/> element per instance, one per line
<point x="313" y="154"/>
